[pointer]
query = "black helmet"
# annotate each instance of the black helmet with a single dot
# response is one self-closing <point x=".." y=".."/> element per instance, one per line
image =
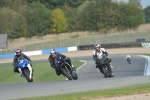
<point x="18" y="51"/>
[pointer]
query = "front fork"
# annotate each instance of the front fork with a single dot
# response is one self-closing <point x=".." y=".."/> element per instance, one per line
<point x="30" y="70"/>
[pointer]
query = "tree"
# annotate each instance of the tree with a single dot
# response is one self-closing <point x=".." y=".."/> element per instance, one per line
<point x="108" y="15"/>
<point x="20" y="28"/>
<point x="38" y="19"/>
<point x="59" y="22"/>
<point x="136" y="1"/>
<point x="2" y="3"/>
<point x="147" y="14"/>
<point x="70" y="15"/>
<point x="86" y="16"/>
<point x="131" y="15"/>
<point x="10" y="20"/>
<point x="13" y="4"/>
<point x="52" y="4"/>
<point x="97" y="15"/>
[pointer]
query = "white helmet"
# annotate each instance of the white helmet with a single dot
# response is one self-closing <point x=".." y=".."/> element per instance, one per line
<point x="53" y="52"/>
<point x="97" y="46"/>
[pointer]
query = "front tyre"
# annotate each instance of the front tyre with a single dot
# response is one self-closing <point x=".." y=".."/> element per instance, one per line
<point x="66" y="73"/>
<point x="26" y="74"/>
<point x="105" y="71"/>
<point x="74" y="75"/>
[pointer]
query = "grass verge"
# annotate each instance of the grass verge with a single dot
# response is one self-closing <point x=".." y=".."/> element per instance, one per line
<point x="42" y="72"/>
<point x="97" y="94"/>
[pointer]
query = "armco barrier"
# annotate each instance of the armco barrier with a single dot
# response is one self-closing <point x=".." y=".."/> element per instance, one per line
<point x="40" y="52"/>
<point x="112" y="45"/>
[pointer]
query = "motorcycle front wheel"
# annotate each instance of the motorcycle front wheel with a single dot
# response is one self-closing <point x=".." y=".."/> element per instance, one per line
<point x="75" y="76"/>
<point x="105" y="71"/>
<point x="65" y="72"/>
<point x="26" y="74"/>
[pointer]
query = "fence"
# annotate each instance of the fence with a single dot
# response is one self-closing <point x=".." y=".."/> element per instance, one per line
<point x="87" y="40"/>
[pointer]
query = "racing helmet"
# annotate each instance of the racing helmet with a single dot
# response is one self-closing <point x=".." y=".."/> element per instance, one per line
<point x="53" y="52"/>
<point x="97" y="46"/>
<point x="18" y="51"/>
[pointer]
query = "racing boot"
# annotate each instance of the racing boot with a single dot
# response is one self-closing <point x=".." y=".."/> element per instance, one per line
<point x="111" y="75"/>
<point x="57" y="72"/>
<point x="16" y="70"/>
<point x="111" y="66"/>
<point x="97" y="66"/>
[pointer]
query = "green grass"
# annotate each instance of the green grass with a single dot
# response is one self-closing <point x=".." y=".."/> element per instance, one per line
<point x="42" y="72"/>
<point x="134" y="89"/>
<point x="77" y="40"/>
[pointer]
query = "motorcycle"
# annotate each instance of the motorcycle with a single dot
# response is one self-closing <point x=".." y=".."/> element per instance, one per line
<point x="25" y="69"/>
<point x="129" y="60"/>
<point x="65" y="68"/>
<point x="104" y="65"/>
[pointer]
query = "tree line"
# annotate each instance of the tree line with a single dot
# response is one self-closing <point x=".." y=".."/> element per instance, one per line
<point x="27" y="18"/>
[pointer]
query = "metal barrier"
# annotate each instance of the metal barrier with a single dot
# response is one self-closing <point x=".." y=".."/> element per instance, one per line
<point x="112" y="45"/>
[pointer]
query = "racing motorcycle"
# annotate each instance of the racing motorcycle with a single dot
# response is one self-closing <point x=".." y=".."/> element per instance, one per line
<point x="24" y="69"/>
<point x="65" y="68"/>
<point x="129" y="60"/>
<point x="104" y="65"/>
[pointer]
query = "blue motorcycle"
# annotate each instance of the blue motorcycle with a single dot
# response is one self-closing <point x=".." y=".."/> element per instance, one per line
<point x="65" y="68"/>
<point x="25" y="69"/>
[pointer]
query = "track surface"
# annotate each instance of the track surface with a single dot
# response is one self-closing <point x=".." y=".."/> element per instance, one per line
<point x="90" y="78"/>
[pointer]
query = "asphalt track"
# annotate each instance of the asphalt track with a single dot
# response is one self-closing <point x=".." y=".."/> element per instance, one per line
<point x="90" y="78"/>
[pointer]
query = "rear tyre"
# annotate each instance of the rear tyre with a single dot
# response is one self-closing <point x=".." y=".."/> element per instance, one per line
<point x="68" y="75"/>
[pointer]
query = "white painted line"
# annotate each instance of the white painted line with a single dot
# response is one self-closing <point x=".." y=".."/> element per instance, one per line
<point x="147" y="65"/>
<point x="82" y="65"/>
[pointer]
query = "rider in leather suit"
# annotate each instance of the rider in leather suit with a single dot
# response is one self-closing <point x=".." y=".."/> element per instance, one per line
<point x="98" y="52"/>
<point x="51" y="59"/>
<point x="18" y="54"/>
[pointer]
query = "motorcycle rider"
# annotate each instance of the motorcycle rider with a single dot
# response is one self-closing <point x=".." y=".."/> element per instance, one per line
<point x="98" y="53"/>
<point x="128" y="58"/>
<point x="18" y="54"/>
<point x="51" y="59"/>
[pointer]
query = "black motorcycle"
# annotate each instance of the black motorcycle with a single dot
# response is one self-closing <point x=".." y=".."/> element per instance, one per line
<point x="104" y="66"/>
<point x="65" y="68"/>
